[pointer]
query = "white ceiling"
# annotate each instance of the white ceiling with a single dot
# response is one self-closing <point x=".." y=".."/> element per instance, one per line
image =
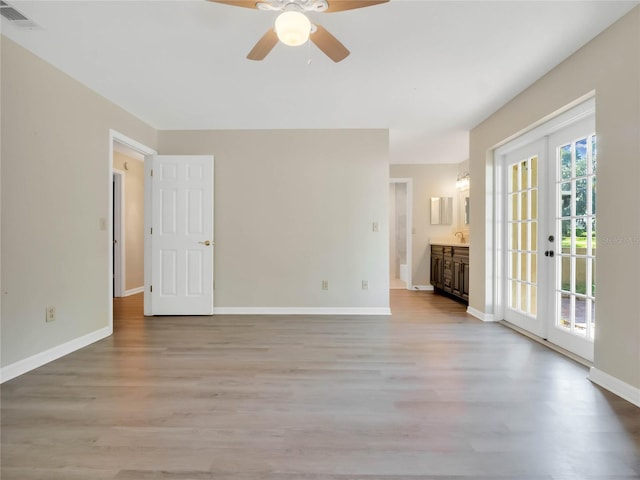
<point x="427" y="70"/>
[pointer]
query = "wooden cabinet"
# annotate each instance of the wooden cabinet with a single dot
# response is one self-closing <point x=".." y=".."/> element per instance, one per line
<point x="447" y="270"/>
<point x="450" y="270"/>
<point x="461" y="272"/>
<point x="436" y="266"/>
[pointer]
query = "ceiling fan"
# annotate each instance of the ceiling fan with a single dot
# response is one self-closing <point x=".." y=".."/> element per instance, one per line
<point x="293" y="28"/>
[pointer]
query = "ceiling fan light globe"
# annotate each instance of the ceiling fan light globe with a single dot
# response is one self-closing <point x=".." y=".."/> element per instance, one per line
<point x="293" y="28"/>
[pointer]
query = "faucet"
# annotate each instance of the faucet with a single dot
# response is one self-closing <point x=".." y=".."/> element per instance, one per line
<point x="461" y="236"/>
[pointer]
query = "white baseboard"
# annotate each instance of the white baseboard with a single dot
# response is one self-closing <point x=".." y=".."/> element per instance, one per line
<point x="615" y="385"/>
<point x="133" y="291"/>
<point x="485" y="317"/>
<point x="427" y="288"/>
<point x="31" y="363"/>
<point x="299" y="311"/>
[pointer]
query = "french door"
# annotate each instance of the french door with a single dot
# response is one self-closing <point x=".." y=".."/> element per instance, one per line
<point x="549" y="240"/>
<point x="524" y="230"/>
<point x="574" y="225"/>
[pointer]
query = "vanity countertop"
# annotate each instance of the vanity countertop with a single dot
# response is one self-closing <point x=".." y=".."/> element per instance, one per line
<point x="445" y="243"/>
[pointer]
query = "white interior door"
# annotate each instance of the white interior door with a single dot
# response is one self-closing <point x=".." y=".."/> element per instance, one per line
<point x="118" y="234"/>
<point x="524" y="195"/>
<point x="182" y="235"/>
<point x="572" y="291"/>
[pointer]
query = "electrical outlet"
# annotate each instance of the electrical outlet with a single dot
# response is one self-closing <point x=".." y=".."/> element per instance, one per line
<point x="325" y="284"/>
<point x="50" y="314"/>
<point x="365" y="284"/>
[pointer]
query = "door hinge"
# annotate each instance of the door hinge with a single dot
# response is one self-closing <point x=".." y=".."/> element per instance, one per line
<point x="151" y="288"/>
<point x="151" y="230"/>
<point x="152" y="172"/>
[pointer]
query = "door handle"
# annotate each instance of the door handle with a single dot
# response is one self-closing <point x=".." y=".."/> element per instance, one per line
<point x="549" y="253"/>
<point x="206" y="243"/>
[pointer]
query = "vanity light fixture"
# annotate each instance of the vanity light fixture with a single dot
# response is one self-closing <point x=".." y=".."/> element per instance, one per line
<point x="462" y="183"/>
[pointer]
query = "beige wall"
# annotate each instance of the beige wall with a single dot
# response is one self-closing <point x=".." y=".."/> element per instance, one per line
<point x="133" y="218"/>
<point x="55" y="184"/>
<point x="293" y="208"/>
<point x="428" y="181"/>
<point x="610" y="65"/>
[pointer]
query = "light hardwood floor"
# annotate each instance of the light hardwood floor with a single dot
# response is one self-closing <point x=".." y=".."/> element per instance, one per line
<point x="428" y="393"/>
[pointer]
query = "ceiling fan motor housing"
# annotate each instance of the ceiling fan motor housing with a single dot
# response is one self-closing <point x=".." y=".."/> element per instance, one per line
<point x="295" y="5"/>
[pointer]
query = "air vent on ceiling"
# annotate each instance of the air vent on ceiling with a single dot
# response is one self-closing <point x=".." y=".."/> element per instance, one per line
<point x="15" y="17"/>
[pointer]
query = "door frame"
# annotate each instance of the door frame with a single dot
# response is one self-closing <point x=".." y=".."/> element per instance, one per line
<point x="115" y="136"/>
<point x="119" y="247"/>
<point x="409" y="184"/>
<point x="576" y="111"/>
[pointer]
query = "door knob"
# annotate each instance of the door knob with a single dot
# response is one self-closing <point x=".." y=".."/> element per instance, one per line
<point x="206" y="243"/>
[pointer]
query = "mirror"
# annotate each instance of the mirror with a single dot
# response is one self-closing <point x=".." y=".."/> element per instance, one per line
<point x="466" y="210"/>
<point x="441" y="210"/>
<point x="462" y="209"/>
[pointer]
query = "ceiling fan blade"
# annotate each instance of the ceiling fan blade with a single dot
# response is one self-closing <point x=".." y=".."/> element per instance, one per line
<point x="329" y="44"/>
<point x="238" y="3"/>
<point x="264" y="45"/>
<point x="342" y="5"/>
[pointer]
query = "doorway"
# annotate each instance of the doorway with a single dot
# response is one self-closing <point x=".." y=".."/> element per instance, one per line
<point x="120" y="283"/>
<point x="548" y="233"/>
<point x="400" y="233"/>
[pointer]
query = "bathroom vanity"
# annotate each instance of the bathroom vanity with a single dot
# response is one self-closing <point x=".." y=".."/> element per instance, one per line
<point x="450" y="269"/>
